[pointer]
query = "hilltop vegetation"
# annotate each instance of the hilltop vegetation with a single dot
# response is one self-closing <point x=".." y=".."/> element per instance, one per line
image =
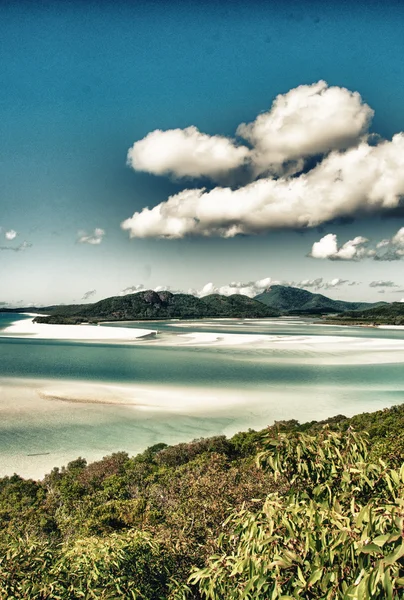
<point x="294" y="511"/>
<point x="293" y="300"/>
<point x="150" y="305"/>
<point x="389" y="314"/>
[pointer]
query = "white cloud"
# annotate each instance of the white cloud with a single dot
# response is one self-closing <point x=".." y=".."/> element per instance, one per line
<point x="358" y="248"/>
<point x="306" y="121"/>
<point x="10" y="235"/>
<point x="326" y="247"/>
<point x="134" y="289"/>
<point x="354" y="249"/>
<point x="186" y="153"/>
<point x="21" y="248"/>
<point x="309" y="283"/>
<point x="93" y="238"/>
<point x="335" y="283"/>
<point x="365" y="179"/>
<point x="251" y="289"/>
<point x="310" y="120"/>
<point x="319" y="283"/>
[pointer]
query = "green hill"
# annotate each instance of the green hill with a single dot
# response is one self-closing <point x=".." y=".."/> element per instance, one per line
<point x="150" y="305"/>
<point x="293" y="300"/>
<point x="392" y="314"/>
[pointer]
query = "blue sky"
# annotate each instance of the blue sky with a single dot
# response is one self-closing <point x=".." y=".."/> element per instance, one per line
<point x="80" y="83"/>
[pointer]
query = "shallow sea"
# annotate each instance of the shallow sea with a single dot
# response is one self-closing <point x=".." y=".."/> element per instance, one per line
<point x="63" y="399"/>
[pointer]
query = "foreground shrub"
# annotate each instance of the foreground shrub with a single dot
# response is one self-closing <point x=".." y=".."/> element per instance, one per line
<point x="116" y="566"/>
<point x="337" y="535"/>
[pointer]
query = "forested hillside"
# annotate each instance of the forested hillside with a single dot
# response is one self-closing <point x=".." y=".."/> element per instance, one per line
<point x="389" y="314"/>
<point x="293" y="511"/>
<point x="159" y="305"/>
<point x="291" y="300"/>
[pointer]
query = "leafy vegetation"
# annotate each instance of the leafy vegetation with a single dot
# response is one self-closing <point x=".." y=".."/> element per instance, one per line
<point x="294" y="511"/>
<point x="151" y="305"/>
<point x="390" y="314"/>
<point x="293" y="300"/>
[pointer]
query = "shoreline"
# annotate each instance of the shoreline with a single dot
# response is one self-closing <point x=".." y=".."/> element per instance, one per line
<point x="266" y="347"/>
<point x="28" y="329"/>
<point x="47" y="423"/>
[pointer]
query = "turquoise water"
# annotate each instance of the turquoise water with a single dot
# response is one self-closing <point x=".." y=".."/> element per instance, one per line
<point x="200" y="390"/>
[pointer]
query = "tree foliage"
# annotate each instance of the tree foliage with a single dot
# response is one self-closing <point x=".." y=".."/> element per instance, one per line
<point x="294" y="511"/>
<point x="337" y="534"/>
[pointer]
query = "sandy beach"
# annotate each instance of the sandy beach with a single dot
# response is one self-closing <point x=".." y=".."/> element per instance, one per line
<point x="95" y="333"/>
<point x="130" y="388"/>
<point x="47" y="423"/>
<point x="324" y="349"/>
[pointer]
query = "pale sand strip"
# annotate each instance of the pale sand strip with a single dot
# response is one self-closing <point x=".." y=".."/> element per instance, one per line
<point x="326" y="349"/>
<point x="33" y="410"/>
<point x="27" y="328"/>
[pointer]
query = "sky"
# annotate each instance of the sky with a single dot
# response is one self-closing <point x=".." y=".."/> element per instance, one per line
<point x="200" y="146"/>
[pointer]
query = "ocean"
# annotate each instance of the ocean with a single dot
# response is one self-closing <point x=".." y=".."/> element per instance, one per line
<point x="64" y="399"/>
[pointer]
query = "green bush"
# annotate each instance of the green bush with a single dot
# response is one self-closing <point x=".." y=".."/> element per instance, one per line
<point x="337" y="534"/>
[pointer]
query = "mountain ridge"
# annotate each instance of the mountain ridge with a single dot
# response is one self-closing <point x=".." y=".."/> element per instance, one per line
<point x="292" y="300"/>
<point x="150" y="305"/>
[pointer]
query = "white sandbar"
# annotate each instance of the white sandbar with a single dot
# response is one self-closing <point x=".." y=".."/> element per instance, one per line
<point x="27" y="328"/>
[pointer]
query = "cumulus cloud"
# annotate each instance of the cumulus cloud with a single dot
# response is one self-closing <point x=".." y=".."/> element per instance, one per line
<point x="21" y="248"/>
<point x="251" y="288"/>
<point x="391" y="249"/>
<point x="359" y="248"/>
<point x="365" y="179"/>
<point x="309" y="283"/>
<point x="319" y="283"/>
<point x="352" y="175"/>
<point x="354" y="249"/>
<point x="306" y="121"/>
<point x="186" y="153"/>
<point x="89" y="294"/>
<point x="93" y="238"/>
<point x="335" y="283"/>
<point x="134" y="289"/>
<point x="10" y="235"/>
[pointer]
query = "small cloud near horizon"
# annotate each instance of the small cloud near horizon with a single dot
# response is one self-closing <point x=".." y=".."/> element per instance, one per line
<point x="10" y="235"/>
<point x="95" y="238"/>
<point x="89" y="294"/>
<point x="249" y="288"/>
<point x="21" y="248"/>
<point x="359" y="248"/>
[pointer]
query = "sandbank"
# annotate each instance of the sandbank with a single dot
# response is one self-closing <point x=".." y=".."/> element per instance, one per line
<point x="24" y="328"/>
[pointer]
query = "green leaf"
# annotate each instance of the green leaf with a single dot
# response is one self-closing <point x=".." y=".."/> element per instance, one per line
<point x="395" y="556"/>
<point x="370" y="549"/>
<point x="314" y="577"/>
